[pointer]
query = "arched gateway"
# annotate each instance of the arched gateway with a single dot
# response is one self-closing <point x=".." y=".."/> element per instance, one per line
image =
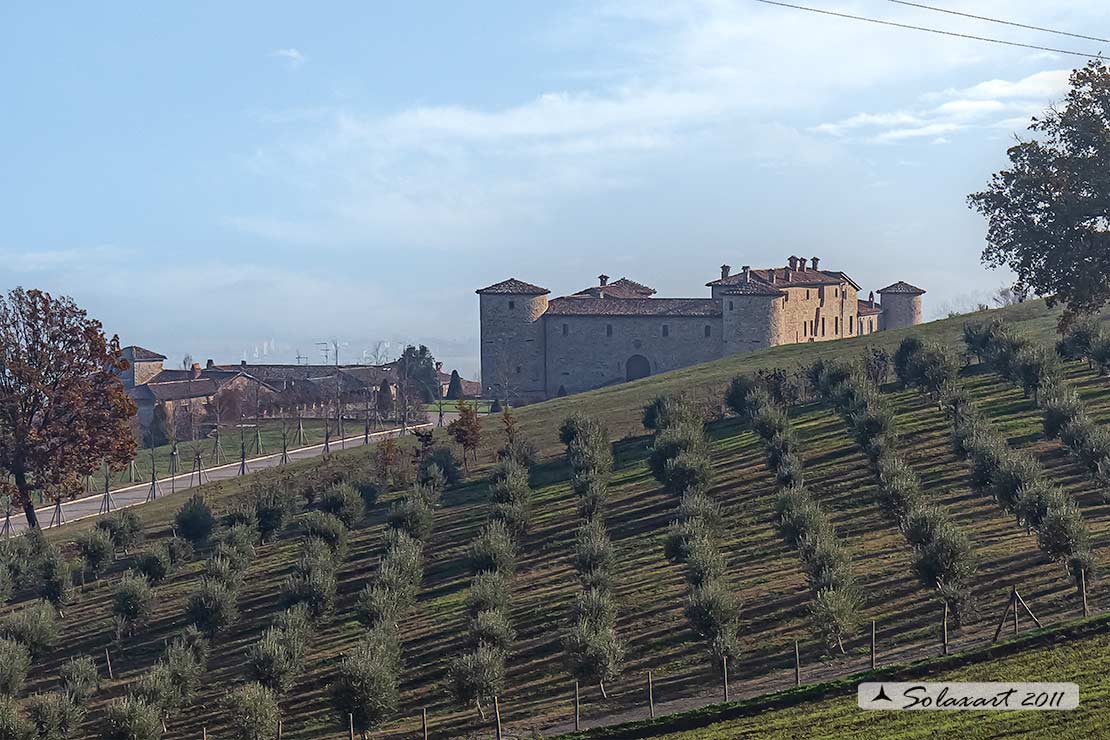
<point x="637" y="367"/>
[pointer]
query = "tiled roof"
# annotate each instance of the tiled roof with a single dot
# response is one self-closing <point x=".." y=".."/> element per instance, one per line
<point x="623" y="288"/>
<point x="217" y="374"/>
<point x="866" y="309"/>
<point x="753" y="288"/>
<point x="586" y="306"/>
<point x="902" y="287"/>
<point x="512" y="286"/>
<point x="142" y="354"/>
<point x="632" y="286"/>
<point x="176" y="390"/>
<point x="785" y="277"/>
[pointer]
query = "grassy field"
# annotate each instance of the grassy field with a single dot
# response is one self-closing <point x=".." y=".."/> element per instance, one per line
<point x="764" y="572"/>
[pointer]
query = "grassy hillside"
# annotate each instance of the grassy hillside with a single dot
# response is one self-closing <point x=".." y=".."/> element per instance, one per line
<point x="765" y="574"/>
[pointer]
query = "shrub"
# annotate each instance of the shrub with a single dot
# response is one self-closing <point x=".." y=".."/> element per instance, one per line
<point x="665" y="411"/>
<point x="95" y="546"/>
<point x="595" y="608"/>
<point x="688" y="471"/>
<point x="377" y="605"/>
<point x="132" y="601"/>
<point x="13" y="725"/>
<point x="593" y="549"/>
<point x="80" y="679"/>
<point x="492" y="628"/>
<point x="493" y="550"/>
<point x="212" y="607"/>
<point x="712" y="609"/>
<point x="904" y="366"/>
<point x="35" y="626"/>
<point x="488" y="590"/>
<point x="1060" y="406"/>
<point x="56" y="585"/>
<point x="239" y="515"/>
<point x="7" y="582"/>
<point x="125" y="529"/>
<point x="477" y="676"/>
<point x="368" y="491"/>
<point x="366" y="685"/>
<point x="344" y="503"/>
<point x="314" y="588"/>
<point x="15" y="661"/>
<point x="593" y="655"/>
<point x="835" y="614"/>
<point x="327" y="528"/>
<point x="194" y="520"/>
<point x="737" y="397"/>
<point x="236" y="543"/>
<point x="671" y="442"/>
<point x="274" y="506"/>
<point x="130" y="718"/>
<point x="704" y="562"/>
<point x="178" y="550"/>
<point x="253" y="712"/>
<point x="441" y="457"/>
<point x="412" y="515"/>
<point x="153" y="564"/>
<point x="54" y="716"/>
<point x="193" y="642"/>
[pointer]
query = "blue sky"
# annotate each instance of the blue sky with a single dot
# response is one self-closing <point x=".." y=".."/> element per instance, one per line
<point x="237" y="179"/>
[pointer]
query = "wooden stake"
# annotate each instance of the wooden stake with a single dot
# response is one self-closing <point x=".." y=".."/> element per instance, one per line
<point x="279" y="730"/>
<point x="1001" y="623"/>
<point x="1083" y="590"/>
<point x="944" y="628"/>
<point x="350" y="727"/>
<point x="108" y="660"/>
<point x="872" y="644"/>
<point x="651" y="696"/>
<point x="724" y="675"/>
<point x="497" y="715"/>
<point x="1014" y="597"/>
<point x="1027" y="609"/>
<point x="204" y="733"/>
<point x="797" y="665"/>
<point x="577" y="709"/>
<point x="424" y="721"/>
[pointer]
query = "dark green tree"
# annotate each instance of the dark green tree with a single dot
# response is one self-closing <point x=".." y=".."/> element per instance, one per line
<point x="454" y="388"/>
<point x="1049" y="213"/>
<point x="417" y="374"/>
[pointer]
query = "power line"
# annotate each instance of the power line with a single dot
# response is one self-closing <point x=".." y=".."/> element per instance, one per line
<point x="996" y="20"/>
<point x="935" y="30"/>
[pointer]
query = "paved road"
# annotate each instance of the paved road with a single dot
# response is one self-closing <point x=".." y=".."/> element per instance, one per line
<point x="140" y="493"/>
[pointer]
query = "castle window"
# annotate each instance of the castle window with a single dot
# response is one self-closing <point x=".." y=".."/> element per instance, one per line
<point x="708" y="330"/>
<point x="807" y="295"/>
<point x="608" y="330"/>
<point x="666" y="330"/>
<point x="822" y="326"/>
<point x="786" y="297"/>
<point x="836" y="292"/>
<point x="565" y="329"/>
<point x="512" y="305"/>
<point x="730" y="306"/>
<point x="870" y="326"/>
<point x="836" y="324"/>
<point x="805" y="328"/>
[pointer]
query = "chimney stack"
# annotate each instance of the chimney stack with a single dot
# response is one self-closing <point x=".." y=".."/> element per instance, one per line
<point x="725" y="269"/>
<point x="242" y="363"/>
<point x="813" y="261"/>
<point x="747" y="270"/>
<point x="802" y="264"/>
<point x="195" y="369"/>
<point x="871" y="298"/>
<point x="210" y="364"/>
<point x="793" y="262"/>
<point x="603" y="279"/>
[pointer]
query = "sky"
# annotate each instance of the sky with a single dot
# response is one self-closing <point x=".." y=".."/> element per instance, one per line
<point x="244" y="180"/>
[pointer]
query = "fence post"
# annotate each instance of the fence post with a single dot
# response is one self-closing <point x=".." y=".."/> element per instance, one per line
<point x="724" y="675"/>
<point x="944" y="628"/>
<point x="797" y="665"/>
<point x="651" y="696"/>
<point x="350" y="727"/>
<point x="497" y="716"/>
<point x="1083" y="590"/>
<point x="872" y="644"/>
<point x="577" y="710"/>
<point x="108" y="659"/>
<point x="279" y="730"/>
<point x="424" y="721"/>
<point x="1013" y="592"/>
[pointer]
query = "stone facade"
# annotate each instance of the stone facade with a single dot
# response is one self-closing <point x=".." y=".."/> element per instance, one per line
<point x="535" y="348"/>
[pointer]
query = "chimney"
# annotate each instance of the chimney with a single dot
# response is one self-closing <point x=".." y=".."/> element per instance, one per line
<point x="603" y="279"/>
<point x="793" y="262"/>
<point x="210" y="364"/>
<point x="747" y="270"/>
<point x="242" y="363"/>
<point x="814" y="261"/>
<point x="195" y="370"/>
<point x="802" y="263"/>
<point x="871" y="298"/>
<point x="725" y="269"/>
<point x="439" y="366"/>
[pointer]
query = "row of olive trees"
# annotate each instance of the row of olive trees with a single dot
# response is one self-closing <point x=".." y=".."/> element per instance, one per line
<point x="1039" y="373"/>
<point x="478" y="675"/>
<point x="1086" y="340"/>
<point x="805" y="527"/>
<point x="680" y="461"/>
<point x="943" y="556"/>
<point x="593" y="650"/>
<point x="54" y="715"/>
<point x="1013" y="478"/>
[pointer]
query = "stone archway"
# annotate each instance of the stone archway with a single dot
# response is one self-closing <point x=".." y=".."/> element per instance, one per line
<point x="637" y="367"/>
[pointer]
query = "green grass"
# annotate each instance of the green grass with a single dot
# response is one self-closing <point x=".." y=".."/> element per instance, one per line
<point x="765" y="574"/>
<point x="453" y="406"/>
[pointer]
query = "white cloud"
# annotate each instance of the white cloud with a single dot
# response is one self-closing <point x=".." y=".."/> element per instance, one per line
<point x="294" y="56"/>
<point x="1046" y="85"/>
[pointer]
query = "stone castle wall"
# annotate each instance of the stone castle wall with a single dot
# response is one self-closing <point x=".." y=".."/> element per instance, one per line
<point x="587" y="356"/>
<point x="901" y="310"/>
<point x="513" y="352"/>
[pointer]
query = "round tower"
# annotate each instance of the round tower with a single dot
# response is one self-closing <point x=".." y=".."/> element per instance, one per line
<point x="751" y="317"/>
<point x="901" y="304"/>
<point x="513" y="355"/>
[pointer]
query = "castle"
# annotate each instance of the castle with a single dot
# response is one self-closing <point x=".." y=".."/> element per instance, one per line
<point x="534" y="348"/>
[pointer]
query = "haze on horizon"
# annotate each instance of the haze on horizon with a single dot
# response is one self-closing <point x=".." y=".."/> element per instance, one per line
<point x="215" y="180"/>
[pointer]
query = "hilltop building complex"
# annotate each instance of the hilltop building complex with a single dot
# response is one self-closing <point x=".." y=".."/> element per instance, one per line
<point x="535" y="348"/>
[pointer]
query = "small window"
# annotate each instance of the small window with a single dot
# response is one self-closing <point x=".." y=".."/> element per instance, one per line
<point x="512" y="305"/>
<point x="730" y="306"/>
<point x="608" y="330"/>
<point x="870" y="326"/>
<point x="565" y="329"/>
<point x="836" y="324"/>
<point x="822" y="326"/>
<point x="836" y="292"/>
<point x="666" y="330"/>
<point x="807" y="295"/>
<point x="786" y="297"/>
<point x="708" y="330"/>
<point x="805" y="328"/>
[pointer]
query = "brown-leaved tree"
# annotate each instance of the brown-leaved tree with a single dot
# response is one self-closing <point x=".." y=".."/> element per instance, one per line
<point x="63" y="409"/>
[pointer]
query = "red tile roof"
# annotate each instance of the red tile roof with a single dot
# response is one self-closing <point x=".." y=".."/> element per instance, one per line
<point x="512" y="286"/>
<point x="753" y="288"/>
<point x="866" y="309"/>
<point x="902" y="287"/>
<point x="588" y="306"/>
<point x="785" y="277"/>
<point x="142" y="354"/>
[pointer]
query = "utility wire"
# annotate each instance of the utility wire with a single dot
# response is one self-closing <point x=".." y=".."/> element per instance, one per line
<point x="934" y="30"/>
<point x="996" y="20"/>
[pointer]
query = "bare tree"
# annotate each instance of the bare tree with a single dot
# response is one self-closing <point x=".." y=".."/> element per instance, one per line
<point x="1007" y="295"/>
